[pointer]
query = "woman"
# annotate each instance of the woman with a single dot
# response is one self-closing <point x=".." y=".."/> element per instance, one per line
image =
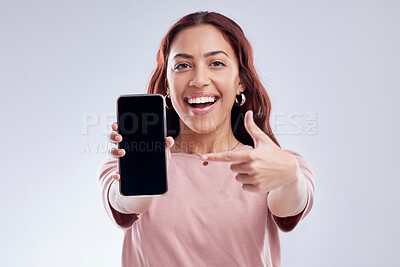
<point x="231" y="186"/>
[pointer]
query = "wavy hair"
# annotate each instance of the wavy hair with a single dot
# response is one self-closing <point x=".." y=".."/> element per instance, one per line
<point x="257" y="98"/>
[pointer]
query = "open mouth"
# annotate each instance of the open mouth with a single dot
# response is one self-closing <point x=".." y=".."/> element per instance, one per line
<point x="202" y="104"/>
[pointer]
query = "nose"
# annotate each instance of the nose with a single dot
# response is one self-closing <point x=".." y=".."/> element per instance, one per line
<point x="200" y="77"/>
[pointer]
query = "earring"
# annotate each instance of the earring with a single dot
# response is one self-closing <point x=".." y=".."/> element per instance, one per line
<point x="168" y="98"/>
<point x="243" y="99"/>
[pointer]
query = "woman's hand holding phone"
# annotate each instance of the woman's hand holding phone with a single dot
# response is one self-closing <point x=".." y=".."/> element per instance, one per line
<point x="116" y="138"/>
<point x="129" y="205"/>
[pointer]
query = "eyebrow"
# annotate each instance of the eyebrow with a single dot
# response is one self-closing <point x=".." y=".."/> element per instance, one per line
<point x="212" y="53"/>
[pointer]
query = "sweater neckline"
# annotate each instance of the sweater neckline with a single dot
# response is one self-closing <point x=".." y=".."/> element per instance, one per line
<point x="188" y="155"/>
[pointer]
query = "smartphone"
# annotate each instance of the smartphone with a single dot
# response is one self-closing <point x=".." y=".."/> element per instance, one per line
<point x="142" y="124"/>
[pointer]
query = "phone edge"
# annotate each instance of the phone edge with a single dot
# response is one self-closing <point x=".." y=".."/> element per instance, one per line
<point x="165" y="136"/>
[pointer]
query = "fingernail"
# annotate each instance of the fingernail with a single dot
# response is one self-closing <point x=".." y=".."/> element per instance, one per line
<point x="120" y="152"/>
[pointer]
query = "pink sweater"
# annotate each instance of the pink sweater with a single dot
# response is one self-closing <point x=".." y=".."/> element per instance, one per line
<point x="205" y="218"/>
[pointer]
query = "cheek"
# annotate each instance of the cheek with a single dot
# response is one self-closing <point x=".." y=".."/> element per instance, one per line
<point x="178" y="84"/>
<point x="227" y="80"/>
<point x="227" y="89"/>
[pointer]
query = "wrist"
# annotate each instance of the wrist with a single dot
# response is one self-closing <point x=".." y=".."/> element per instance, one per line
<point x="293" y="171"/>
<point x="296" y="182"/>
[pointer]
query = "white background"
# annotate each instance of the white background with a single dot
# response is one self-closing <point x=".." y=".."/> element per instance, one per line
<point x="63" y="64"/>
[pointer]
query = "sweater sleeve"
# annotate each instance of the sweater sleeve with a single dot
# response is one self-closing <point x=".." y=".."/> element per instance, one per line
<point x="105" y="178"/>
<point x="287" y="224"/>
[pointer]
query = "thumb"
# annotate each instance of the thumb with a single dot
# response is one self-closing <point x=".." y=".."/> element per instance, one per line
<point x="255" y="132"/>
<point x="169" y="142"/>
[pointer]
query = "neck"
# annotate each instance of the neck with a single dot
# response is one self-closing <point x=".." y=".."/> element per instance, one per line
<point x="192" y="142"/>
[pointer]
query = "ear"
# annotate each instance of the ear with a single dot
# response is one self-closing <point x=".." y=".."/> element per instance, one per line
<point x="240" y="89"/>
<point x="166" y="85"/>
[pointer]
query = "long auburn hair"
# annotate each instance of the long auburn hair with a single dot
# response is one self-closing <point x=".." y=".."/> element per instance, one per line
<point x="257" y="98"/>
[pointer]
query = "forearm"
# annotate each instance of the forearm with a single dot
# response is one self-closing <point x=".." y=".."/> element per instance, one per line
<point x="289" y="199"/>
<point x="127" y="205"/>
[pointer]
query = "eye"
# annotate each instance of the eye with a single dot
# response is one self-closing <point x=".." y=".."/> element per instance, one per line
<point x="182" y="66"/>
<point x="218" y="64"/>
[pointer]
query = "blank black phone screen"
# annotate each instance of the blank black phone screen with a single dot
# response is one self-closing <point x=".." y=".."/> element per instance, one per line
<point x="141" y="123"/>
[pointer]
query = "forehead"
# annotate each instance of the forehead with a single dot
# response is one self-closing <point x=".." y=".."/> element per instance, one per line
<point x="198" y="40"/>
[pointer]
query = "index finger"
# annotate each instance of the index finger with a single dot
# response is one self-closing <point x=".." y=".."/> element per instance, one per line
<point x="114" y="126"/>
<point x="227" y="156"/>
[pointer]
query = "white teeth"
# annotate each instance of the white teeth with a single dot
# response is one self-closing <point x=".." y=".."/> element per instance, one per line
<point x="201" y="100"/>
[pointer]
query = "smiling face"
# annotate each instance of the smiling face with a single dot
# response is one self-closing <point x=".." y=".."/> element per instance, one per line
<point x="202" y="67"/>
